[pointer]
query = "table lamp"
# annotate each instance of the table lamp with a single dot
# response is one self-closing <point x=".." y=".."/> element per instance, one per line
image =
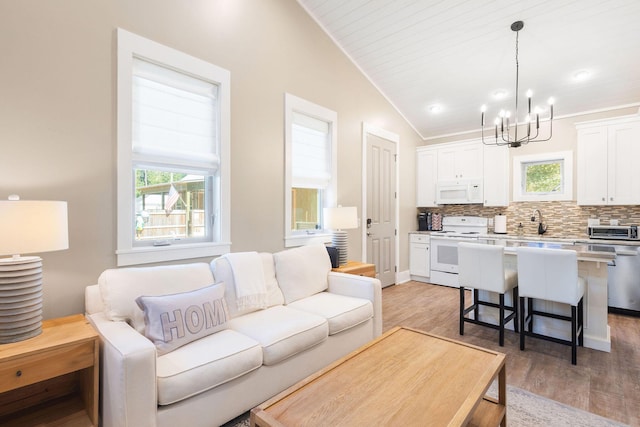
<point x="26" y="226"/>
<point x="340" y="219"/>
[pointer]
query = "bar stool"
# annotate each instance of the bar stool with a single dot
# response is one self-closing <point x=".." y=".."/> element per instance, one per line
<point x="481" y="267"/>
<point x="551" y="275"/>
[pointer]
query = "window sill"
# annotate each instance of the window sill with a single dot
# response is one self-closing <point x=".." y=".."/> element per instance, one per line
<point x="542" y="198"/>
<point x="306" y="239"/>
<point x="149" y="254"/>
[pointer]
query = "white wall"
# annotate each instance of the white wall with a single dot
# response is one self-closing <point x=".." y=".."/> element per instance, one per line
<point x="57" y="116"/>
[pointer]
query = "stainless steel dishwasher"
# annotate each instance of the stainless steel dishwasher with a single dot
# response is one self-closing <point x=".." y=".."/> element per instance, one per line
<point x="624" y="281"/>
<point x="624" y="272"/>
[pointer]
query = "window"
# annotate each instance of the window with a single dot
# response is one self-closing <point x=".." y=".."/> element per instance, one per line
<point x="310" y="177"/>
<point x="543" y="177"/>
<point x="173" y="154"/>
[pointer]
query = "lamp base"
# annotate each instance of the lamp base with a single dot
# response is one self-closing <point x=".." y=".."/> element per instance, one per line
<point x="20" y="298"/>
<point x="339" y="240"/>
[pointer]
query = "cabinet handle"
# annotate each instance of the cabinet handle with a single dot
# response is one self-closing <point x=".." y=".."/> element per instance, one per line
<point x="18" y="373"/>
<point x="603" y="199"/>
<point x="611" y="199"/>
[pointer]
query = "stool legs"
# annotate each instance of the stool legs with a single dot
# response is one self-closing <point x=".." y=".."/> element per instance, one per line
<point x="576" y="319"/>
<point x="522" y="319"/>
<point x="500" y="306"/>
<point x="461" y="310"/>
<point x="581" y="321"/>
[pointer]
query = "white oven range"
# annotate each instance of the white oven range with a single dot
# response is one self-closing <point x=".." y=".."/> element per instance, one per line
<point x="444" y="246"/>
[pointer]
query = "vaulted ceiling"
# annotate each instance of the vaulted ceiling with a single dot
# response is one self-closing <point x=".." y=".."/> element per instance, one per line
<point x="456" y="55"/>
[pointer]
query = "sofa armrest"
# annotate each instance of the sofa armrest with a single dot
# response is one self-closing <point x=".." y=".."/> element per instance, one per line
<point x="360" y="287"/>
<point x="92" y="300"/>
<point x="128" y="374"/>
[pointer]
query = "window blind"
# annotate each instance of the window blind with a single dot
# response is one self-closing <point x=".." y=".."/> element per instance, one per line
<point x="311" y="156"/>
<point x="175" y="116"/>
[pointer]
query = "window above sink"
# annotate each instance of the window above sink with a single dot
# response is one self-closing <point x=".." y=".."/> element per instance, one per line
<point x="543" y="177"/>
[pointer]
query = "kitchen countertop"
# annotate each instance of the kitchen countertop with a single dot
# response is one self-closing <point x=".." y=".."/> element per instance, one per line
<point x="542" y="238"/>
<point x="586" y="252"/>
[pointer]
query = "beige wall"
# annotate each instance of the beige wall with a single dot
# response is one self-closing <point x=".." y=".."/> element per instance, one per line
<point x="58" y="127"/>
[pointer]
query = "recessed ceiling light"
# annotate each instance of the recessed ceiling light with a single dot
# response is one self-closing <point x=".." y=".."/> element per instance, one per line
<point x="435" y="109"/>
<point x="581" y="75"/>
<point x="499" y="94"/>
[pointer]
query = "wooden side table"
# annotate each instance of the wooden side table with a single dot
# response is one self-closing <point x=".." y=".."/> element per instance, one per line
<point x="357" y="268"/>
<point x="51" y="379"/>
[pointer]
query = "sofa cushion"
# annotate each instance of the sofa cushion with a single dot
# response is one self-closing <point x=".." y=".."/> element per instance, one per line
<point x="205" y="364"/>
<point x="341" y="312"/>
<point x="119" y="287"/>
<point x="174" y="320"/>
<point x="302" y="272"/>
<point x="281" y="331"/>
<point x="222" y="272"/>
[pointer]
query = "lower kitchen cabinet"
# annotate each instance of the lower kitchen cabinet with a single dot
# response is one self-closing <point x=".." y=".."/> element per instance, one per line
<point x="419" y="256"/>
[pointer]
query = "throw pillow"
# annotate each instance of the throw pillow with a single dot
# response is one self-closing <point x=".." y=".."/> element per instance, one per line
<point x="302" y="271"/>
<point x="174" y="320"/>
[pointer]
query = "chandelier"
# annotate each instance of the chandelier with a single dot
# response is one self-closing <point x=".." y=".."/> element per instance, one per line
<point x="506" y="126"/>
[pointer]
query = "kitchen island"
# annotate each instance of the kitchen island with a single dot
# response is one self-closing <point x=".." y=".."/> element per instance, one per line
<point x="593" y="261"/>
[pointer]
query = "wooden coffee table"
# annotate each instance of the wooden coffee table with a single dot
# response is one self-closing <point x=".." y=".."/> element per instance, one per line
<point x="404" y="378"/>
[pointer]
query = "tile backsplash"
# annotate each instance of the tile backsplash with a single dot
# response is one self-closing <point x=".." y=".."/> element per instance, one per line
<point x="563" y="219"/>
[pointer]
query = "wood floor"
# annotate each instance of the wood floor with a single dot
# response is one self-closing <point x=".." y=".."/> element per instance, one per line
<point x="607" y="384"/>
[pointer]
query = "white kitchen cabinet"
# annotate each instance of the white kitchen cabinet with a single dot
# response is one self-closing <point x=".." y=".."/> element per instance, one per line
<point x="419" y="256"/>
<point x="426" y="176"/>
<point x="460" y="161"/>
<point x="496" y="175"/>
<point x="607" y="162"/>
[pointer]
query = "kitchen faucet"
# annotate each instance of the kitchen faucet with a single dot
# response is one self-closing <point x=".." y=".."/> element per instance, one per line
<point x="541" y="227"/>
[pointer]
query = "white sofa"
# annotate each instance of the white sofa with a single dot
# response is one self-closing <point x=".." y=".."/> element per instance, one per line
<point x="313" y="316"/>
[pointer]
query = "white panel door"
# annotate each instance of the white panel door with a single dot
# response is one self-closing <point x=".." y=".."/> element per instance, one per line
<point x="496" y="175"/>
<point x="624" y="173"/>
<point x="592" y="166"/>
<point x="426" y="176"/>
<point x="469" y="160"/>
<point x="381" y="207"/>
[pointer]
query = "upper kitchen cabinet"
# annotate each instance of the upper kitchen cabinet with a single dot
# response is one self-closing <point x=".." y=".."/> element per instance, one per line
<point x="607" y="162"/>
<point x="426" y="176"/>
<point x="460" y="161"/>
<point x="496" y="175"/>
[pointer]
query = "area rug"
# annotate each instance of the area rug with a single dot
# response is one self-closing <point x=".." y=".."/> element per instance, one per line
<point x="524" y="409"/>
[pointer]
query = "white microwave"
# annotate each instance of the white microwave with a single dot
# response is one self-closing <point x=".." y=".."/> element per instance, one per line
<point x="459" y="192"/>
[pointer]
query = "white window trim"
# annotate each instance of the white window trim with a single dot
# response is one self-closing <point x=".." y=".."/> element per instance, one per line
<point x="293" y="103"/>
<point x="130" y="45"/>
<point x="565" y="156"/>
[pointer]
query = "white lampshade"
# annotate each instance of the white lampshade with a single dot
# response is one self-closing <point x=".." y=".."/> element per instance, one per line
<point x="26" y="227"/>
<point x="341" y="218"/>
<point x="30" y="226"/>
